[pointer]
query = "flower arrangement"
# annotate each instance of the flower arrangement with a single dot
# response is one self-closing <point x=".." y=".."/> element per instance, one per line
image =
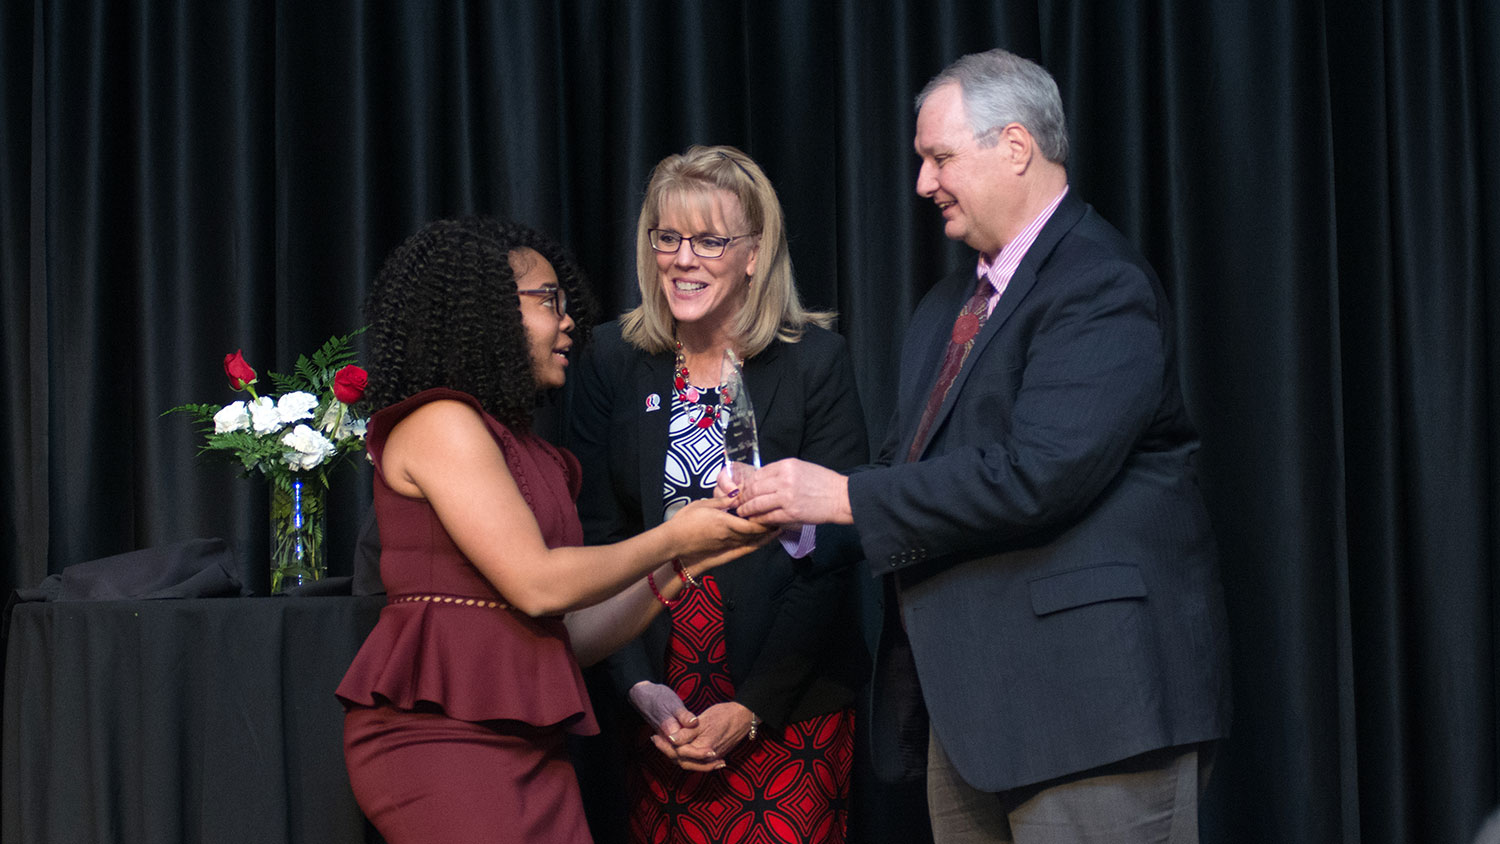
<point x="294" y="440"/>
<point x="311" y="426"/>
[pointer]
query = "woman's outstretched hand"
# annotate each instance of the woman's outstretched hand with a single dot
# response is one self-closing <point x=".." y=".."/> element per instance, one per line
<point x="712" y="536"/>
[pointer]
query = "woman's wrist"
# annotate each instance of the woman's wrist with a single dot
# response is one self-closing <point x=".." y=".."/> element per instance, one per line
<point x="689" y="579"/>
<point x="670" y="582"/>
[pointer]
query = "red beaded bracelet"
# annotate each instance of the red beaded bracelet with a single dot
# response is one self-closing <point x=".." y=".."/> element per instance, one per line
<point x="688" y="582"/>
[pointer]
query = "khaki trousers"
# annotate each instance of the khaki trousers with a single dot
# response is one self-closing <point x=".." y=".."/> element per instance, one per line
<point x="1148" y="798"/>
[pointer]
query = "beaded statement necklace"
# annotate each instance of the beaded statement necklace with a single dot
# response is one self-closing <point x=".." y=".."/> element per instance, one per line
<point x="688" y="394"/>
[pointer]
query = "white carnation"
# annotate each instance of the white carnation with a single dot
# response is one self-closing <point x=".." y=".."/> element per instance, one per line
<point x="308" y="448"/>
<point x="264" y="416"/>
<point x="232" y="417"/>
<point x="296" y="406"/>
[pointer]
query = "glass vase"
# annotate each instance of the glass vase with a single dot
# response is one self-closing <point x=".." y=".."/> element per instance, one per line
<point x="298" y="525"/>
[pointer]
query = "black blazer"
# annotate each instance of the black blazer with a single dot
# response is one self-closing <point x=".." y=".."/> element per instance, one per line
<point x="1056" y="570"/>
<point x="791" y="631"/>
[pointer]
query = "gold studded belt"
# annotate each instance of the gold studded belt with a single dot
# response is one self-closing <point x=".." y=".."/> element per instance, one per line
<point x="452" y="600"/>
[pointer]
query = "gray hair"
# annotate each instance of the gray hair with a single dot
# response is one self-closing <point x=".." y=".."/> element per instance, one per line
<point x="999" y="88"/>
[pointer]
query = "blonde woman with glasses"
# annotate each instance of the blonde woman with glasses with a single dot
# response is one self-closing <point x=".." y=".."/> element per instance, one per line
<point x="742" y="691"/>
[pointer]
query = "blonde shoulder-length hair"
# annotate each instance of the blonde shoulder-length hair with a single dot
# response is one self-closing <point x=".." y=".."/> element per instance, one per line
<point x="772" y="309"/>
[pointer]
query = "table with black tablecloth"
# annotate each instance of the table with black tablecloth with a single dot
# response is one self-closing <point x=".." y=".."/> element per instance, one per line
<point x="206" y="720"/>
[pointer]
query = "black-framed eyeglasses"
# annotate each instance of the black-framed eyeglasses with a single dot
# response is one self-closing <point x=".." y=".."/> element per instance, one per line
<point x="668" y="242"/>
<point x="555" y="298"/>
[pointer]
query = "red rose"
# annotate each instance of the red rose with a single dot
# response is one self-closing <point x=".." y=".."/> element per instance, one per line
<point x="349" y="384"/>
<point x="240" y="374"/>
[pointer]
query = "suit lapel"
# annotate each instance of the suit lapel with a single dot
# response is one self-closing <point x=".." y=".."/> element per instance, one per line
<point x="1069" y="212"/>
<point x="762" y="377"/>
<point x="653" y="377"/>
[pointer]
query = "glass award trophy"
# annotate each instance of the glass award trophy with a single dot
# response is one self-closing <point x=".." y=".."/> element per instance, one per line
<point x="741" y="444"/>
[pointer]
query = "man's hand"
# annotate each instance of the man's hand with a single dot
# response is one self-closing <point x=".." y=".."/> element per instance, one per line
<point x="795" y="537"/>
<point x="791" y="492"/>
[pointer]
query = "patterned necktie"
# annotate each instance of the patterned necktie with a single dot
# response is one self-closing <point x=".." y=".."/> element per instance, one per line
<point x="970" y="319"/>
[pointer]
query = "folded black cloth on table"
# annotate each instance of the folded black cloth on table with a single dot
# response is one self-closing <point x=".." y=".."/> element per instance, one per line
<point x="195" y="568"/>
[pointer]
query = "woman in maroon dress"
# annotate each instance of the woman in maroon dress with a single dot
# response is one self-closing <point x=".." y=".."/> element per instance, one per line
<point x="458" y="704"/>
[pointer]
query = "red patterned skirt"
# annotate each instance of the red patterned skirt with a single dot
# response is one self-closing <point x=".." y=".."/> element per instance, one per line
<point x="786" y="787"/>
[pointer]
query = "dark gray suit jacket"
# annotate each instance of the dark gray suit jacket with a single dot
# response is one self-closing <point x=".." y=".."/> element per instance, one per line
<point x="1055" y="566"/>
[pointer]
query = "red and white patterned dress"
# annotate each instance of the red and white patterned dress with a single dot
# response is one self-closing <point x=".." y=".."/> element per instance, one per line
<point x="787" y="786"/>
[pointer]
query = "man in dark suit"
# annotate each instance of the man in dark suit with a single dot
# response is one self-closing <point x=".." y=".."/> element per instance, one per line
<point x="1053" y="655"/>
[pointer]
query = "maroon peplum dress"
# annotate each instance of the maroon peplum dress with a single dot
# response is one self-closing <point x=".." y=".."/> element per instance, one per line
<point x="456" y="708"/>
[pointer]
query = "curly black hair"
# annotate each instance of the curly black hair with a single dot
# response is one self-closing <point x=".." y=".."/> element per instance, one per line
<point x="444" y="312"/>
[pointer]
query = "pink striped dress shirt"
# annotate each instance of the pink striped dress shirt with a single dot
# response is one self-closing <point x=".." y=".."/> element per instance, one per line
<point x="1004" y="266"/>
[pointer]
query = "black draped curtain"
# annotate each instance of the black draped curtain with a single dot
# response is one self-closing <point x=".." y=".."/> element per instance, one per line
<point x="1316" y="182"/>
